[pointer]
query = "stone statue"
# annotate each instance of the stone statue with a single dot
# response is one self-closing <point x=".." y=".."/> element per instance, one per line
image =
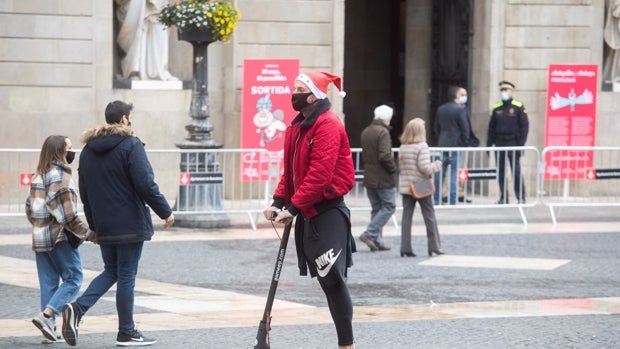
<point x="611" y="59"/>
<point x="143" y="39"/>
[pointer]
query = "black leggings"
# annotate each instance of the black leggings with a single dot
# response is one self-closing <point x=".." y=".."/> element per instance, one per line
<point x="341" y="308"/>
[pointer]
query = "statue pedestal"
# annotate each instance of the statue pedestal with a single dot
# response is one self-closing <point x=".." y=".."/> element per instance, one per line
<point x="129" y="84"/>
<point x="202" y="196"/>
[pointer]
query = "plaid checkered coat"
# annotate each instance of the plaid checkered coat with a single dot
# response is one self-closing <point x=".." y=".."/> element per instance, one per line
<point x="51" y="208"/>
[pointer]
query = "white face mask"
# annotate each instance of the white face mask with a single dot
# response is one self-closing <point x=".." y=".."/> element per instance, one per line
<point x="505" y="96"/>
<point x="463" y="99"/>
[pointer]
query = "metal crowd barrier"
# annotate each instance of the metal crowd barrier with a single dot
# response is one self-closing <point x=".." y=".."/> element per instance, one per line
<point x="221" y="190"/>
<point x="579" y="176"/>
<point x="595" y="184"/>
<point x="213" y="181"/>
<point x="477" y="179"/>
<point x="15" y="167"/>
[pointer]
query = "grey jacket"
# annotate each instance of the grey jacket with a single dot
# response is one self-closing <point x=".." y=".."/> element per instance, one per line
<point x="414" y="163"/>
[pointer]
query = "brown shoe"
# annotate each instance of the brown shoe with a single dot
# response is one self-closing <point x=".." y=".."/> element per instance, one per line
<point x="383" y="247"/>
<point x="371" y="244"/>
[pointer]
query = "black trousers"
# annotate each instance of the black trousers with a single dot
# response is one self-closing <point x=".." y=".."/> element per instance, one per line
<point x="513" y="157"/>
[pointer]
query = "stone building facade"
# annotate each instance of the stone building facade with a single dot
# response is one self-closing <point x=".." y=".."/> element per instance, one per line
<point x="59" y="61"/>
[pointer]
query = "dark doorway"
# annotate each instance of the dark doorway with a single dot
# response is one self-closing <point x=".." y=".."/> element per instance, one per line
<point x="450" y="51"/>
<point x="373" y="63"/>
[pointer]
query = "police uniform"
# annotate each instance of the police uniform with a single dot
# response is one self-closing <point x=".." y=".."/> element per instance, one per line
<point x="508" y="127"/>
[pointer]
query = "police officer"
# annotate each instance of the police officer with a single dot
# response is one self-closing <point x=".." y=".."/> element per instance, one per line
<point x="508" y="127"/>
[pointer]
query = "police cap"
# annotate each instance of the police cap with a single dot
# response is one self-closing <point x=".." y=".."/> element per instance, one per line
<point x="506" y="84"/>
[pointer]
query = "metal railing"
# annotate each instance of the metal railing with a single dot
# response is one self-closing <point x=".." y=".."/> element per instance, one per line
<point x="579" y="176"/>
<point x="219" y="172"/>
<point x="14" y="164"/>
<point x="477" y="184"/>
<point x="230" y="192"/>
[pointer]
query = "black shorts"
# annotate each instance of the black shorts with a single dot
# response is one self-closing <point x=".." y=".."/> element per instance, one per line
<point x="327" y="245"/>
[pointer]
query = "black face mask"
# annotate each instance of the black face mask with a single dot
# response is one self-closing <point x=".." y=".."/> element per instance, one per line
<point x="300" y="100"/>
<point x="70" y="156"/>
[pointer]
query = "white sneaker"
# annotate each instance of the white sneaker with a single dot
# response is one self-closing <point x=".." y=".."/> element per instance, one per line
<point x="59" y="338"/>
<point x="46" y="325"/>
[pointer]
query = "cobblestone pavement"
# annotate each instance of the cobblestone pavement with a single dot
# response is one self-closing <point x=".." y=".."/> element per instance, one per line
<point x="502" y="284"/>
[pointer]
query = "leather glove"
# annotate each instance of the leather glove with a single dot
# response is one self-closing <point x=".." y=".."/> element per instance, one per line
<point x="270" y="212"/>
<point x="446" y="161"/>
<point x="284" y="217"/>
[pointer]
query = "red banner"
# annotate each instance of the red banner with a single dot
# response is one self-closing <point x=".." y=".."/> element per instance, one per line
<point x="266" y="111"/>
<point x="571" y="119"/>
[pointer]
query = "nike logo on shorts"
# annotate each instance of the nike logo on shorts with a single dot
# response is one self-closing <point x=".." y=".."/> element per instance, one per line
<point x="325" y="262"/>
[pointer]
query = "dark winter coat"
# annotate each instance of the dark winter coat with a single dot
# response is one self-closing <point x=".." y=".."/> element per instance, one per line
<point x="452" y="126"/>
<point x="377" y="157"/>
<point x="116" y="183"/>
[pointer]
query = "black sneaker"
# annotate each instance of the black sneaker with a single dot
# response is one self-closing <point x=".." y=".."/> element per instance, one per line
<point x="71" y="317"/>
<point x="133" y="339"/>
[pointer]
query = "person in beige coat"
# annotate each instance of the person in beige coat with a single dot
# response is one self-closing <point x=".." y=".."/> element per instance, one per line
<point x="414" y="163"/>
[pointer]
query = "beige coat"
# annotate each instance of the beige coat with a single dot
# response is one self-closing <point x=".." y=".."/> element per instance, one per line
<point x="414" y="163"/>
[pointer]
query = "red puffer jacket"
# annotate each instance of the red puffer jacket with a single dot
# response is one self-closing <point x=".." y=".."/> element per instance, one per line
<point x="318" y="165"/>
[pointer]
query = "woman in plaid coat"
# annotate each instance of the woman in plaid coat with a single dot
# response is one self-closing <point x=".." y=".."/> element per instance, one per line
<point x="57" y="231"/>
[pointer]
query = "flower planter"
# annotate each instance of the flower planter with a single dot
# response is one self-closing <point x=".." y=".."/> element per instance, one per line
<point x="196" y="35"/>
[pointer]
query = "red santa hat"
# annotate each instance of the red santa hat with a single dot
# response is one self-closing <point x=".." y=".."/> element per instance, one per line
<point x="317" y="82"/>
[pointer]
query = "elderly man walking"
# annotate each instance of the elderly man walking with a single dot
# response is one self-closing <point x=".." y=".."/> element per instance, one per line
<point x="379" y="176"/>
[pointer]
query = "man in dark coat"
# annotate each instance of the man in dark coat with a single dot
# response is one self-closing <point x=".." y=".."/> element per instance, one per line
<point x="379" y="176"/>
<point x="452" y="128"/>
<point x="116" y="184"/>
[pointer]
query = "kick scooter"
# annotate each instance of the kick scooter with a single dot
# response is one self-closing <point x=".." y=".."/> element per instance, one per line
<point x="262" y="337"/>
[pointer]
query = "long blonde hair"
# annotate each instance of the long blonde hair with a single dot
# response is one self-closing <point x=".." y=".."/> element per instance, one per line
<point x="415" y="132"/>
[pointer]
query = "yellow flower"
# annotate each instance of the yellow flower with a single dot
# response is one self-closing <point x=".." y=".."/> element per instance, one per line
<point x="220" y="15"/>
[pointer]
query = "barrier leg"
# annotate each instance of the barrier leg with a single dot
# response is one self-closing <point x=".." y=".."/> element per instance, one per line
<point x="523" y="218"/>
<point x="555" y="222"/>
<point x="252" y="222"/>
<point x="395" y="221"/>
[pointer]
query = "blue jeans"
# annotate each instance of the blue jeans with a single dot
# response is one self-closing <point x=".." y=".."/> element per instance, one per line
<point x="120" y="265"/>
<point x="63" y="263"/>
<point x="455" y="163"/>
<point x="383" y="203"/>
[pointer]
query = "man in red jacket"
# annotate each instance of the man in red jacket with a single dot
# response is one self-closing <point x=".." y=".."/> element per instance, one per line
<point x="318" y="172"/>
